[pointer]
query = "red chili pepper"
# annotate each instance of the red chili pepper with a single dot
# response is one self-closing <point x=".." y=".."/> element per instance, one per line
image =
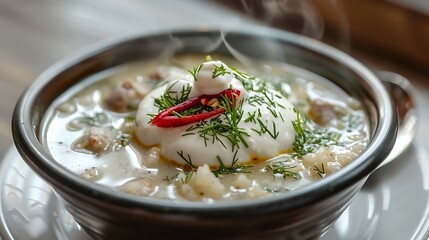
<point x="164" y="119"/>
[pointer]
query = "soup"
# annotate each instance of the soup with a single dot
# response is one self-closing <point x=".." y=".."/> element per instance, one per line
<point x="195" y="129"/>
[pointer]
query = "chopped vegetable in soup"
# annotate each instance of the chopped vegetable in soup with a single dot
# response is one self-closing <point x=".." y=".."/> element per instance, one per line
<point x="205" y="131"/>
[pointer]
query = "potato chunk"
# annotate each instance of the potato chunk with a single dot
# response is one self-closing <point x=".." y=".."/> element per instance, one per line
<point x="203" y="184"/>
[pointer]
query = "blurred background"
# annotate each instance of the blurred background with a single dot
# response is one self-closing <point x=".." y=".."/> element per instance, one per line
<point x="393" y="31"/>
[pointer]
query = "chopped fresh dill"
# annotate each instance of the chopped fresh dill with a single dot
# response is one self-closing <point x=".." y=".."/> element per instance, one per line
<point x="210" y="131"/>
<point x="269" y="97"/>
<point x="251" y="117"/>
<point x="264" y="129"/>
<point x="171" y="179"/>
<point x="284" y="169"/>
<point x="244" y="78"/>
<point x="187" y="178"/>
<point x="279" y="87"/>
<point x="233" y="115"/>
<point x="195" y="71"/>
<point x="183" y="180"/>
<point x="299" y="145"/>
<point x="281" y="116"/>
<point x="320" y="171"/>
<point x="223" y="126"/>
<point x="220" y="70"/>
<point x="353" y="122"/>
<point x="166" y="100"/>
<point x="309" y="140"/>
<point x="187" y="159"/>
<point x="233" y="168"/>
<point x="96" y="119"/>
<point x="274" y="113"/>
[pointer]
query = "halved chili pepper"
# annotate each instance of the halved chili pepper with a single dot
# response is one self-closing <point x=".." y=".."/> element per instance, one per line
<point x="165" y="119"/>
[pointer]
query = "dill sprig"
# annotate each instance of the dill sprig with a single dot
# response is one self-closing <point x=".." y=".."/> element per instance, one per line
<point x="187" y="159"/>
<point x="251" y="117"/>
<point x="353" y="122"/>
<point x="187" y="178"/>
<point x="231" y="169"/>
<point x="264" y="129"/>
<point x="210" y="131"/>
<point x="245" y="79"/>
<point x="183" y="180"/>
<point x="195" y="71"/>
<point x="171" y="179"/>
<point x="320" y="171"/>
<point x="220" y="70"/>
<point x="233" y="115"/>
<point x="309" y="140"/>
<point x="267" y="99"/>
<point x="223" y="126"/>
<point x="166" y="100"/>
<point x="300" y="144"/>
<point x="96" y="119"/>
<point x="284" y="169"/>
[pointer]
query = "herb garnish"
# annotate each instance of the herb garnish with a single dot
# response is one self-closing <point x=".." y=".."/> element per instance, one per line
<point x="225" y="125"/>
<point x="195" y="71"/>
<point x="210" y="131"/>
<point x="320" y="171"/>
<point x="264" y="129"/>
<point x="187" y="159"/>
<point x="171" y="179"/>
<point x="223" y="169"/>
<point x="284" y="169"/>
<point x="96" y="119"/>
<point x="232" y="169"/>
<point x="353" y="122"/>
<point x="233" y="115"/>
<point x="220" y="70"/>
<point x="166" y="100"/>
<point x="183" y="180"/>
<point x="308" y="140"/>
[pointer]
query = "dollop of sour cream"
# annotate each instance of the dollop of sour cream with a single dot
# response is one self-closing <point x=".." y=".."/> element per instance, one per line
<point x="262" y="116"/>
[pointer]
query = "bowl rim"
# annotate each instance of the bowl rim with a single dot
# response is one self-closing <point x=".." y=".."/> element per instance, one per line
<point x="34" y="154"/>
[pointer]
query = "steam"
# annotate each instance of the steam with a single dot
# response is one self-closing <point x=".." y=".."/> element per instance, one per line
<point x="322" y="20"/>
<point x="304" y="17"/>
<point x="299" y="16"/>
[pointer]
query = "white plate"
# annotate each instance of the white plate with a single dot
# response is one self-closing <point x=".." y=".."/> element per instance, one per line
<point x="393" y="204"/>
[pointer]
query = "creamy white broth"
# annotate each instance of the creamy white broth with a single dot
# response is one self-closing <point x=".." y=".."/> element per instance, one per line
<point x="128" y="164"/>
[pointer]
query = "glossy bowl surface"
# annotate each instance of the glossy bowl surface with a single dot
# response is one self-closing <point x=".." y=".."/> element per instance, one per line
<point x="305" y="213"/>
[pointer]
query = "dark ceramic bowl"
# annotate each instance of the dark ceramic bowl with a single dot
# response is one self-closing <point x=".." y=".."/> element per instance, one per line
<point x="305" y="213"/>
